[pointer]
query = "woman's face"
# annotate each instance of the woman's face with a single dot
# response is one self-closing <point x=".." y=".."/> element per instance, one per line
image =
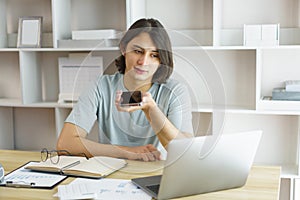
<point x="141" y="58"/>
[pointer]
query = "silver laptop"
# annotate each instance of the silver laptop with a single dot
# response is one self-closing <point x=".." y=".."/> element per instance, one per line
<point x="203" y="164"/>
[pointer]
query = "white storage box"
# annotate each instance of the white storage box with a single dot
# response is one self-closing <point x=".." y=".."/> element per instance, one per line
<point x="261" y="35"/>
<point x="95" y="34"/>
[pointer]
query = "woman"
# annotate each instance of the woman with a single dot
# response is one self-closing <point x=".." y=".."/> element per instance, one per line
<point x="135" y="132"/>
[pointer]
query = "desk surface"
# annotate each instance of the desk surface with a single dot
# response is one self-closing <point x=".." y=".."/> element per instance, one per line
<point x="263" y="181"/>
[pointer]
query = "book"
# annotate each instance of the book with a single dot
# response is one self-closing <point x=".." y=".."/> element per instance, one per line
<point x="95" y="167"/>
<point x="292" y="86"/>
<point x="282" y="94"/>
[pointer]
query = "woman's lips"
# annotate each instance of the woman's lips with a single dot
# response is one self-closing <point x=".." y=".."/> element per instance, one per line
<point x="139" y="71"/>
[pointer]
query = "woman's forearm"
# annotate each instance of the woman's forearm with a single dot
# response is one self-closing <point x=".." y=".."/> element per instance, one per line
<point x="73" y="139"/>
<point x="162" y="126"/>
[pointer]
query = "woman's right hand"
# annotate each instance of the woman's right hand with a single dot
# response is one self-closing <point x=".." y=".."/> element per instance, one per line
<point x="145" y="153"/>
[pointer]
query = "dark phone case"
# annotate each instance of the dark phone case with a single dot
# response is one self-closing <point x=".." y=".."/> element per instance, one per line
<point x="129" y="98"/>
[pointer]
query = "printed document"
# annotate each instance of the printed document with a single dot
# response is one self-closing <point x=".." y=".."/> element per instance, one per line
<point x="106" y="188"/>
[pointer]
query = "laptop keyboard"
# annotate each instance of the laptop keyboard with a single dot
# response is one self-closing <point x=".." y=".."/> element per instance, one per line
<point x="153" y="188"/>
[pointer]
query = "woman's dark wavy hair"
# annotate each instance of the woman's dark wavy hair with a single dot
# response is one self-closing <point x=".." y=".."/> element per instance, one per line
<point x="160" y="38"/>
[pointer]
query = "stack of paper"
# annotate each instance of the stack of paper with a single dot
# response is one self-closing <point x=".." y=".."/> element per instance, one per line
<point x="106" y="188"/>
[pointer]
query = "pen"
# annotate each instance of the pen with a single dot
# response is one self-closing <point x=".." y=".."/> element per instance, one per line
<point x="70" y="165"/>
<point x="19" y="184"/>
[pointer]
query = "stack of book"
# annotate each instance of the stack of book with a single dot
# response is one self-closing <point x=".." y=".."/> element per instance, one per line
<point x="291" y="92"/>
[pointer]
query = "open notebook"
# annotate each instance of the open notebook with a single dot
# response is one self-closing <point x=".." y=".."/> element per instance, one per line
<point x="95" y="167"/>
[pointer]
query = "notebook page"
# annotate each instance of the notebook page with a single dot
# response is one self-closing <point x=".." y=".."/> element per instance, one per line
<point x="100" y="165"/>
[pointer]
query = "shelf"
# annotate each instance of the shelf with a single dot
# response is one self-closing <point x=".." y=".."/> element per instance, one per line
<point x="283" y="47"/>
<point x="289" y="171"/>
<point x="68" y="49"/>
<point x="227" y="109"/>
<point x="243" y="110"/>
<point x="7" y="102"/>
<point x="280" y="107"/>
<point x="182" y="47"/>
<point x="10" y="102"/>
<point x="9" y="50"/>
<point x="49" y="105"/>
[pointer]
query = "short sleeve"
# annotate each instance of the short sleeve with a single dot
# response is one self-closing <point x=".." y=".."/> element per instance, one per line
<point x="179" y="110"/>
<point x="84" y="113"/>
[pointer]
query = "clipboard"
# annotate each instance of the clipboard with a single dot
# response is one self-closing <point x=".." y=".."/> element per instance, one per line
<point x="24" y="178"/>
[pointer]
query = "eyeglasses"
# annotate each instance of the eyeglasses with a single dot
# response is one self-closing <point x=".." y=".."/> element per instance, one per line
<point x="54" y="155"/>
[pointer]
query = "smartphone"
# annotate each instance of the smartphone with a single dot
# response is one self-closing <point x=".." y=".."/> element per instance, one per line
<point x="131" y="98"/>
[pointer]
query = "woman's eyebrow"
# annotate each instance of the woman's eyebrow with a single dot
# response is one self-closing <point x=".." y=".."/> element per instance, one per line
<point x="139" y="47"/>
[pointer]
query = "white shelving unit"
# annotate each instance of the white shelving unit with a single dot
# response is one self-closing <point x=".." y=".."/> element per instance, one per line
<point x="207" y="37"/>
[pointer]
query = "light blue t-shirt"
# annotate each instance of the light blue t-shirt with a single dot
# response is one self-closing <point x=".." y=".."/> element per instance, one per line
<point x="130" y="129"/>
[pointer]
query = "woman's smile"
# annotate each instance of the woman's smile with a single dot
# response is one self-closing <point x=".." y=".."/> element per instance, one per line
<point x="139" y="70"/>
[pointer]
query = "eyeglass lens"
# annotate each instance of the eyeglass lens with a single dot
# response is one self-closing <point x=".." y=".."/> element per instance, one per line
<point x="54" y="157"/>
<point x="44" y="155"/>
<point x="55" y="154"/>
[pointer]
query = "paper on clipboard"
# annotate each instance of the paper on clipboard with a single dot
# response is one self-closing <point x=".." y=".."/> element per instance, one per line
<point x="22" y="177"/>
